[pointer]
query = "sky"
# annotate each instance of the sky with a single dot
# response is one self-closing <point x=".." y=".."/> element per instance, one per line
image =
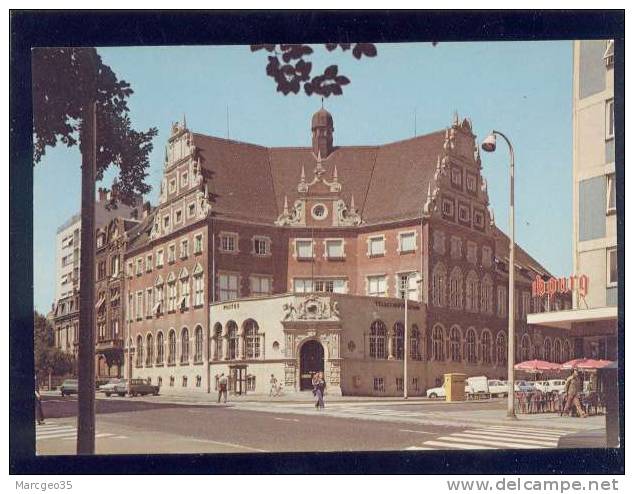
<point x="523" y="89"/>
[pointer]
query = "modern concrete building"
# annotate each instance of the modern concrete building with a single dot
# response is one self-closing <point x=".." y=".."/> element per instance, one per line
<point x="67" y="260"/>
<point x="593" y="320"/>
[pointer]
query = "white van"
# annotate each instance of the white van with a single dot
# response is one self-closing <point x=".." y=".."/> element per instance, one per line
<point x="498" y="387"/>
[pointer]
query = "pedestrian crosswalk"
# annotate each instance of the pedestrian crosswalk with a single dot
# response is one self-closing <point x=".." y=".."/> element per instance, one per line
<point x="66" y="432"/>
<point x="495" y="437"/>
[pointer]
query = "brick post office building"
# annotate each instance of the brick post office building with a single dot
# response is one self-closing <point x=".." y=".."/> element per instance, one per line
<point x="326" y="223"/>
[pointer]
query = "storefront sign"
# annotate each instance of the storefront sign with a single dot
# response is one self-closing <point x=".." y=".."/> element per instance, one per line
<point x="396" y="305"/>
<point x="231" y="306"/>
<point x="561" y="285"/>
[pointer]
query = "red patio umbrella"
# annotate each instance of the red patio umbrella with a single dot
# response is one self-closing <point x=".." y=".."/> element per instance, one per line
<point x="593" y="364"/>
<point x="585" y="363"/>
<point x="536" y="366"/>
<point x="572" y="364"/>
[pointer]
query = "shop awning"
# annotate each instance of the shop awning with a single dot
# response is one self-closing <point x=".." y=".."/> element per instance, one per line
<point x="566" y="318"/>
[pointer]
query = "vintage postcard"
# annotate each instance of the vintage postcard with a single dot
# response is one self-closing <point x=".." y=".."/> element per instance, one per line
<point x="326" y="247"/>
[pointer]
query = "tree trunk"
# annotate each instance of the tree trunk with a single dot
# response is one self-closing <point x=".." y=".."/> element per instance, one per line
<point x="86" y="364"/>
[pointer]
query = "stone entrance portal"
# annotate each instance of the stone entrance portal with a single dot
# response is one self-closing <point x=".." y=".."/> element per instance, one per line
<point x="311" y="360"/>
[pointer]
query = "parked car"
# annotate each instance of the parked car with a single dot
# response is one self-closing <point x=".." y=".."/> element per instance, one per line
<point x="109" y="388"/>
<point x="554" y="385"/>
<point x="137" y="387"/>
<point x="439" y="392"/>
<point x="436" y="392"/>
<point x="524" y="386"/>
<point x="498" y="387"/>
<point x="69" y="387"/>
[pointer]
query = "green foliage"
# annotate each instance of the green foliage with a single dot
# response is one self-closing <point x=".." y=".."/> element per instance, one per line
<point x="66" y="81"/>
<point x="47" y="356"/>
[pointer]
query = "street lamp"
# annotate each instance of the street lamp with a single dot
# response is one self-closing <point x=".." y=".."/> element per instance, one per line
<point x="489" y="146"/>
<point x="405" y="335"/>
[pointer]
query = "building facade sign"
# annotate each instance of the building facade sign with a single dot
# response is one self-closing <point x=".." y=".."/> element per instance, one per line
<point x="578" y="283"/>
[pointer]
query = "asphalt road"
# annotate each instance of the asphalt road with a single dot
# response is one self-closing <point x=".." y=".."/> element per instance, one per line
<point x="147" y="426"/>
<point x="240" y="429"/>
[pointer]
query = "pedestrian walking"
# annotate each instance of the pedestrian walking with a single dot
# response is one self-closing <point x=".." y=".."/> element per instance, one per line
<point x="274" y="391"/>
<point x="39" y="412"/>
<point x="572" y="390"/>
<point x="222" y="387"/>
<point x="319" y="387"/>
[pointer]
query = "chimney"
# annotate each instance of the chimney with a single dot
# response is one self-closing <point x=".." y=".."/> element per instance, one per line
<point x="146" y="209"/>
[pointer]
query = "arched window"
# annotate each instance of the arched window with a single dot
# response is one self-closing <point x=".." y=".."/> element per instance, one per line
<point x="149" y="359"/>
<point x="438" y="343"/>
<point x="159" y="348"/>
<point x="486" y="304"/>
<point x="198" y="344"/>
<point x="438" y="285"/>
<point x="557" y="351"/>
<point x="471" y="299"/>
<point x="171" y="348"/>
<point x="471" y="353"/>
<point x="486" y="345"/>
<point x="232" y="333"/>
<point x="139" y="351"/>
<point x="414" y="343"/>
<point x="548" y="347"/>
<point x="252" y="339"/>
<point x="378" y="333"/>
<point x="455" y="289"/>
<point x="566" y="351"/>
<point x="502" y="302"/>
<point x="525" y="348"/>
<point x="455" y="339"/>
<point x="217" y="341"/>
<point x="501" y="350"/>
<point x="184" y="346"/>
<point x="398" y="342"/>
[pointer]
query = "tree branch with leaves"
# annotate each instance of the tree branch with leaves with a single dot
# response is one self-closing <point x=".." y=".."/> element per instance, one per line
<point x="294" y="71"/>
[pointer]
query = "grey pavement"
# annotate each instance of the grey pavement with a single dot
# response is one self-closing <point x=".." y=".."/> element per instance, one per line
<point x="165" y="425"/>
<point x="413" y="410"/>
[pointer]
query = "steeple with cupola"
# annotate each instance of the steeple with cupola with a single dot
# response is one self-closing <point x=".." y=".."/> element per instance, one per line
<point x="322" y="128"/>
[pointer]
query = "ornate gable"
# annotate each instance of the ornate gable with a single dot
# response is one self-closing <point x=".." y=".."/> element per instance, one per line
<point x="321" y="196"/>
<point x="458" y="191"/>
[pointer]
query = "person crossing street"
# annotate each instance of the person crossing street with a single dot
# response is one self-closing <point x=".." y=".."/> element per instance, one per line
<point x="222" y="387"/>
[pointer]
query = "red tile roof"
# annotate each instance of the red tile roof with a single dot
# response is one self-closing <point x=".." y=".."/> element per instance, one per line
<point x="388" y="182"/>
